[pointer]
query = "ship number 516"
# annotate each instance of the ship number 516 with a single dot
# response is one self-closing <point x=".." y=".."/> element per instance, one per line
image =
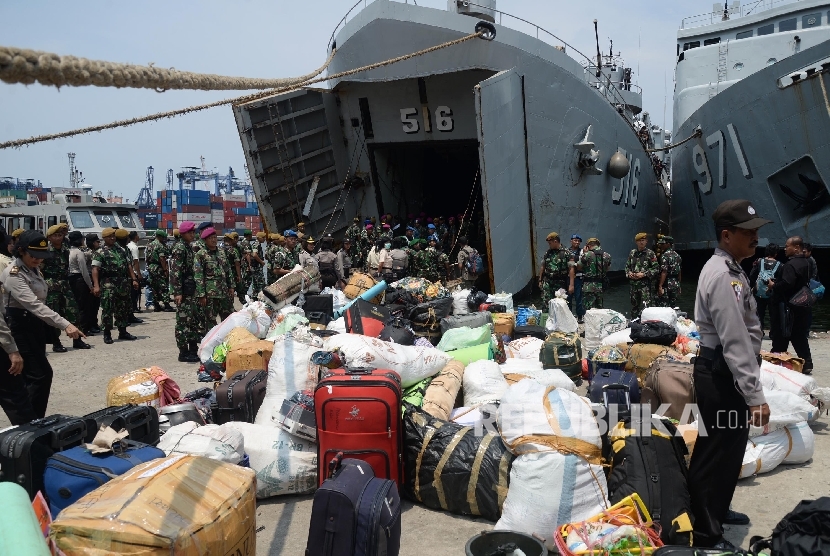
<point x="443" y="119"/>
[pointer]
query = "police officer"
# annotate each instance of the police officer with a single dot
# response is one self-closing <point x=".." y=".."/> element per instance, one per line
<point x="31" y="320"/>
<point x="668" y="285"/>
<point x="183" y="288"/>
<point x="726" y="372"/>
<point x="343" y="264"/>
<point x="575" y="299"/>
<point x="640" y="269"/>
<point x="327" y="262"/>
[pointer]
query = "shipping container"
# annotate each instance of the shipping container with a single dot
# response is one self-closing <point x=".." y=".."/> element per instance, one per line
<point x="190" y="208"/>
<point x="196" y="217"/>
<point x="233" y="198"/>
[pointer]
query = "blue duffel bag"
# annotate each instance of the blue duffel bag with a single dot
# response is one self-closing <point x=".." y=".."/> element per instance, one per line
<point x="76" y="472"/>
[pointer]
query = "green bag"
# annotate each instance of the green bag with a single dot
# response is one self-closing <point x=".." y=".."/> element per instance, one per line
<point x="464" y="337"/>
<point x="563" y="351"/>
<point x="472" y="354"/>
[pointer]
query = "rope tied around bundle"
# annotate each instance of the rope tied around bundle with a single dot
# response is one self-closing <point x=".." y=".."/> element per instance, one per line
<point x="5" y="62"/>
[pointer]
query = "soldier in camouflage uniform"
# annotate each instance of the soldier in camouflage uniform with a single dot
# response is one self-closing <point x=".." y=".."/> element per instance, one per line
<point x="356" y="237"/>
<point x="111" y="281"/>
<point x="641" y="269"/>
<point x="257" y="263"/>
<point x="55" y="271"/>
<point x="214" y="281"/>
<point x="93" y="245"/>
<point x="594" y="264"/>
<point x="234" y="255"/>
<point x="668" y="286"/>
<point x="125" y="300"/>
<point x="557" y="269"/>
<point x="156" y="255"/>
<point x="245" y="254"/>
<point x="183" y="286"/>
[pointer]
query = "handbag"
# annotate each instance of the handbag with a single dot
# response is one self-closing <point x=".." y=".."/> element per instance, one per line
<point x="803" y="297"/>
<point x="787" y="319"/>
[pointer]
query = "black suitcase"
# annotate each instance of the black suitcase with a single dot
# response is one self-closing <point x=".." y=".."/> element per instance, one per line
<point x="355" y="513"/>
<point x="239" y="398"/>
<point x="25" y="449"/>
<point x="604" y="387"/>
<point x="398" y="331"/>
<point x="319" y="310"/>
<point x="530" y="331"/>
<point x="141" y="421"/>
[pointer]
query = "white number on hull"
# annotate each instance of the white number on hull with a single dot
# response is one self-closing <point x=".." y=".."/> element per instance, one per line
<point x="717" y="139"/>
<point x="702" y="167"/>
<point x="635" y="182"/>
<point x="701" y="164"/>
<point x="443" y="119"/>
<point x="739" y="151"/>
<point x="410" y="123"/>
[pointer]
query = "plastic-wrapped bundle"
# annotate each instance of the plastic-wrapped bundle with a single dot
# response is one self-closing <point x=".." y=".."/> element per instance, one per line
<point x="443" y="390"/>
<point x="218" y="442"/>
<point x="251" y="316"/>
<point x="600" y="323"/>
<point x="560" y="317"/>
<point x="453" y="468"/>
<point x="289" y="287"/>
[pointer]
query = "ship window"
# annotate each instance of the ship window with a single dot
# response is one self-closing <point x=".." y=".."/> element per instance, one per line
<point x="788" y="25"/>
<point x="744" y="35"/>
<point x="105" y="218"/>
<point x="40" y="225"/>
<point x="80" y="219"/>
<point x="766" y="29"/>
<point x="811" y="20"/>
<point x="707" y="42"/>
<point x="688" y="45"/>
<point x="52" y="220"/>
<point x="28" y="222"/>
<point x="126" y="218"/>
<point x="63" y="219"/>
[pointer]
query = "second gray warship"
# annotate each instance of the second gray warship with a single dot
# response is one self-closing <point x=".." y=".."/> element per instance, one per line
<point x="511" y="129"/>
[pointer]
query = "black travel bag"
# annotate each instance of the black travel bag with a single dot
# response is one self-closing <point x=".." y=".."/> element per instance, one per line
<point x="602" y="388"/>
<point x="141" y="421"/>
<point x="805" y="531"/>
<point x="240" y="397"/>
<point x="354" y="513"/>
<point x="654" y="466"/>
<point x="398" y="331"/>
<point x="25" y="449"/>
<point x="653" y="332"/>
<point x="471" y="320"/>
<point x="530" y="331"/>
<point x="319" y="310"/>
<point x="426" y="318"/>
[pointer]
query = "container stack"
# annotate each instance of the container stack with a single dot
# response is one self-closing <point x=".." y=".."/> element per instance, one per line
<point x="227" y="212"/>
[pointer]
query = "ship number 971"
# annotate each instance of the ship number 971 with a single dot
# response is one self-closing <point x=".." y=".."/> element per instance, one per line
<point x="443" y="120"/>
<point x="717" y="144"/>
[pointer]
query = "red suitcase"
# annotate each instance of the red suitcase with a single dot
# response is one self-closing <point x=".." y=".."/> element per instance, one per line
<point x="358" y="413"/>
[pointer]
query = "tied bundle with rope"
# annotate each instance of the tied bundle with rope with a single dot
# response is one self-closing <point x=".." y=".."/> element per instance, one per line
<point x="21" y="66"/>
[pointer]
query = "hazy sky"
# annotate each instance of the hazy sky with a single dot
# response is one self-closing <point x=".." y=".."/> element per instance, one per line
<point x="274" y="38"/>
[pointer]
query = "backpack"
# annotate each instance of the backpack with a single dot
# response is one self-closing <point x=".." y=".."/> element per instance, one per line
<point x="474" y="263"/>
<point x="654" y="467"/>
<point x="804" y="531"/>
<point x="764" y="276"/>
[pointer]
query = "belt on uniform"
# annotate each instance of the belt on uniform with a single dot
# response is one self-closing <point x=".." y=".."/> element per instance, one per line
<point x="18" y="313"/>
<point x="711" y="354"/>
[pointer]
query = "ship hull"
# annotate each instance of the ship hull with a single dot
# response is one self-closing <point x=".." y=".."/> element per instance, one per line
<point x="482" y="128"/>
<point x="767" y="139"/>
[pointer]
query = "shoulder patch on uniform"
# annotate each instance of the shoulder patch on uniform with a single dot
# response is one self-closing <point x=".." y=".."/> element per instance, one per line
<point x="738" y="288"/>
<point x="734" y="267"/>
<point x="14" y="270"/>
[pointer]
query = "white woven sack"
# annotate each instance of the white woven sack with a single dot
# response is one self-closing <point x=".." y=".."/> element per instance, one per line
<point x="524" y="348"/>
<point x="338" y="325"/>
<point x="560" y="317"/>
<point x="483" y="382"/>
<point x="802" y="443"/>
<point x="289" y="370"/>
<point x="765" y="453"/>
<point x="785" y="408"/>
<point x="502" y="298"/>
<point x="600" y="323"/>
<point x="459" y="302"/>
<point x="663" y="314"/>
<point x="413" y="363"/>
<point x="776" y="377"/>
<point x="284" y="464"/>
<point x="621" y="337"/>
<point x="218" y="442"/>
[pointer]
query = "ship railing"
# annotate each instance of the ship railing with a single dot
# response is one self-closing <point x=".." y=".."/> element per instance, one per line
<point x="620" y="85"/>
<point x="711" y="18"/>
<point x="541" y="34"/>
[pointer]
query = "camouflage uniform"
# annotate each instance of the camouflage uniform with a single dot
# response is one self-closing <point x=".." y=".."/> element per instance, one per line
<point x="56" y="273"/>
<point x="281" y="258"/>
<point x="113" y="279"/>
<point x="670" y="262"/>
<point x="213" y="280"/>
<point x="642" y="294"/>
<point x="197" y="245"/>
<point x="257" y="276"/>
<point x="234" y="255"/>
<point x="158" y="278"/>
<point x="357" y="236"/>
<point x="427" y="264"/>
<point x="123" y="296"/>
<point x="244" y="249"/>
<point x="189" y="320"/>
<point x="595" y="264"/>
<point x="555" y="267"/>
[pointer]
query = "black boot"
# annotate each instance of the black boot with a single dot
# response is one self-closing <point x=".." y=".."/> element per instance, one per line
<point x="57" y="347"/>
<point x="157" y="308"/>
<point x="134" y="319"/>
<point x="95" y="329"/>
<point x="124" y="335"/>
<point x="107" y="336"/>
<point x="169" y="308"/>
<point x="185" y="356"/>
<point x="80" y="344"/>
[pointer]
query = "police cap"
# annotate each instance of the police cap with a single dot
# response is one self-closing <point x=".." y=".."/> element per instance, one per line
<point x="738" y="213"/>
<point x="35" y="244"/>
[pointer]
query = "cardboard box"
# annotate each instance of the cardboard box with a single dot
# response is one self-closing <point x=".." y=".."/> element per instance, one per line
<point x="504" y="323"/>
<point x="251" y="356"/>
<point x="184" y="505"/>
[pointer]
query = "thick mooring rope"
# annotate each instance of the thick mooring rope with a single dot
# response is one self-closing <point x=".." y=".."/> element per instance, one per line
<point x="237" y="100"/>
<point x="20" y="65"/>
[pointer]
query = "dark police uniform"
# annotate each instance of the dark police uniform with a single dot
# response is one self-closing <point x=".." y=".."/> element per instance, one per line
<point x="726" y="377"/>
<point x="29" y="320"/>
<point x="14" y="398"/>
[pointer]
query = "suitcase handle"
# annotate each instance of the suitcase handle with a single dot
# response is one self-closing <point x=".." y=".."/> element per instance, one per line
<point x="334" y="464"/>
<point x="72" y="436"/>
<point x="359" y="370"/>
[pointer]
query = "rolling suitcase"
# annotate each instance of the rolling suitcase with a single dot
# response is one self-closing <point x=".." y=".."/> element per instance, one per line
<point x="25" y="449"/>
<point x="365" y="318"/>
<point x="600" y="390"/>
<point x="239" y="398"/>
<point x="355" y="513"/>
<point x="76" y="472"/>
<point x="141" y="421"/>
<point x="358" y="413"/>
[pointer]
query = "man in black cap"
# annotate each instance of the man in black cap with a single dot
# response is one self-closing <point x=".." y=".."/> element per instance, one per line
<point x="726" y="373"/>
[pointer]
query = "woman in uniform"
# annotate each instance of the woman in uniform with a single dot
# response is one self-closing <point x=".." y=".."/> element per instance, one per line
<point x="29" y="318"/>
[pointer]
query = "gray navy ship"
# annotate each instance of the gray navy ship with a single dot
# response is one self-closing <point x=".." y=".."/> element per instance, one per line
<point x="755" y="80"/>
<point x="508" y="127"/>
